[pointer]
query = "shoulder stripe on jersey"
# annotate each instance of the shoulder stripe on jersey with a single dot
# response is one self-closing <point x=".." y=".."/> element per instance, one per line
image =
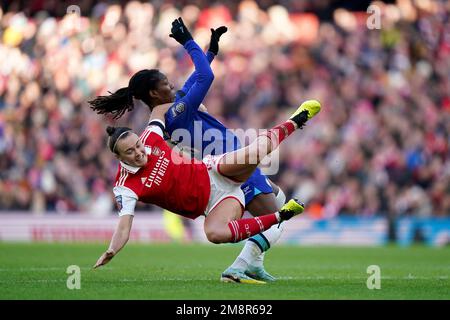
<point x="122" y="172"/>
<point x="145" y="134"/>
<point x="122" y="178"/>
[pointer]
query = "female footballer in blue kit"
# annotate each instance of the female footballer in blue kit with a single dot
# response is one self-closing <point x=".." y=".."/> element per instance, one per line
<point x="187" y="112"/>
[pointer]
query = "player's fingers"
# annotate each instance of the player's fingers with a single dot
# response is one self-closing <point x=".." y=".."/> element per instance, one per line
<point x="221" y="30"/>
<point x="181" y="21"/>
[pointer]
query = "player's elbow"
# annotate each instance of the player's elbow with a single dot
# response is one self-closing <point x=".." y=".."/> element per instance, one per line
<point x="206" y="77"/>
<point x="210" y="76"/>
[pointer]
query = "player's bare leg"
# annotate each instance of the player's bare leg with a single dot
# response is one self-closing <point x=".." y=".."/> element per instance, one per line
<point x="216" y="223"/>
<point x="224" y="224"/>
<point x="239" y="165"/>
<point x="217" y="230"/>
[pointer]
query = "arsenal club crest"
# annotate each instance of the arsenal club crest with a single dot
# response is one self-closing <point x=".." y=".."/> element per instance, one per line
<point x="156" y="151"/>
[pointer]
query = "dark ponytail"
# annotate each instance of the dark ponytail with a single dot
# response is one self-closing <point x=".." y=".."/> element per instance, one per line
<point x="114" y="134"/>
<point x="122" y="100"/>
<point x="116" y="103"/>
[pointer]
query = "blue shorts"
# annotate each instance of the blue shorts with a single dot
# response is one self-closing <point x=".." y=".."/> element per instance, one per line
<point x="256" y="184"/>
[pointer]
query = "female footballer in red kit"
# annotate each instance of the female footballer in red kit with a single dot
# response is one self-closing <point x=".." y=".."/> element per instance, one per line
<point x="150" y="171"/>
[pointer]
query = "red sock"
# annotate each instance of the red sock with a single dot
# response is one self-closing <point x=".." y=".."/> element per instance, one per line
<point x="245" y="228"/>
<point x="280" y="132"/>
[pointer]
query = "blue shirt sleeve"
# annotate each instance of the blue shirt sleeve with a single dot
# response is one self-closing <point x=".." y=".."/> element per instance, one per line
<point x="191" y="80"/>
<point x="180" y="114"/>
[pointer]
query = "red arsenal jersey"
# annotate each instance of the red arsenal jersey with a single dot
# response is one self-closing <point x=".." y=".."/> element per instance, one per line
<point x="168" y="180"/>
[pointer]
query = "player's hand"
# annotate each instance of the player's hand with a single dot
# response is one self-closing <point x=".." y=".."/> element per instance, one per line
<point x="180" y="32"/>
<point x="215" y="37"/>
<point x="104" y="259"/>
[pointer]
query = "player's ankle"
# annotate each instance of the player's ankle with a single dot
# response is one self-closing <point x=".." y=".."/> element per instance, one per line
<point x="300" y="119"/>
<point x="277" y="214"/>
<point x="296" y="126"/>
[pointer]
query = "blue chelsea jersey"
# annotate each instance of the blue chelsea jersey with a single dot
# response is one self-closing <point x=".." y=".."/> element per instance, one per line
<point x="190" y="127"/>
<point x="198" y="130"/>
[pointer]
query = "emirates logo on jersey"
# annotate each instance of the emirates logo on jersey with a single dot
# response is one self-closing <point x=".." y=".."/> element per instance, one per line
<point x="158" y="171"/>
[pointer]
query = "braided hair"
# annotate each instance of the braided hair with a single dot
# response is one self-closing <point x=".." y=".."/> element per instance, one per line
<point x="119" y="102"/>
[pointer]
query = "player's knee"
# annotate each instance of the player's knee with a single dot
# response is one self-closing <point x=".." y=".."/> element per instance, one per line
<point x="216" y="236"/>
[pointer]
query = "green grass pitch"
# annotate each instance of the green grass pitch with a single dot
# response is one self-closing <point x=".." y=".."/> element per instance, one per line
<point x="176" y="271"/>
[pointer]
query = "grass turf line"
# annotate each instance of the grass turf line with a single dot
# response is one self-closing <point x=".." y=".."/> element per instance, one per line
<point x="175" y="271"/>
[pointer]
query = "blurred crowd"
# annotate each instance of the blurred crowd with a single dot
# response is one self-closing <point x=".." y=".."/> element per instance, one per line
<point x="380" y="146"/>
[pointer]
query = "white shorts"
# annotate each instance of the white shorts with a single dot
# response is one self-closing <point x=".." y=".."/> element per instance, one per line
<point x="221" y="187"/>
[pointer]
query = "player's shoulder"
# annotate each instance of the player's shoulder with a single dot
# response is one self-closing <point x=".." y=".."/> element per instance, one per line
<point x="154" y="131"/>
<point x="125" y="188"/>
<point x="124" y="191"/>
<point x="146" y="133"/>
<point x="127" y="176"/>
<point x="178" y="108"/>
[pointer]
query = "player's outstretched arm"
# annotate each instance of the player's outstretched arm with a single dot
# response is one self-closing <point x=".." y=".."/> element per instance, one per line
<point x="213" y="50"/>
<point x="205" y="76"/>
<point x="118" y="241"/>
<point x="215" y="37"/>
